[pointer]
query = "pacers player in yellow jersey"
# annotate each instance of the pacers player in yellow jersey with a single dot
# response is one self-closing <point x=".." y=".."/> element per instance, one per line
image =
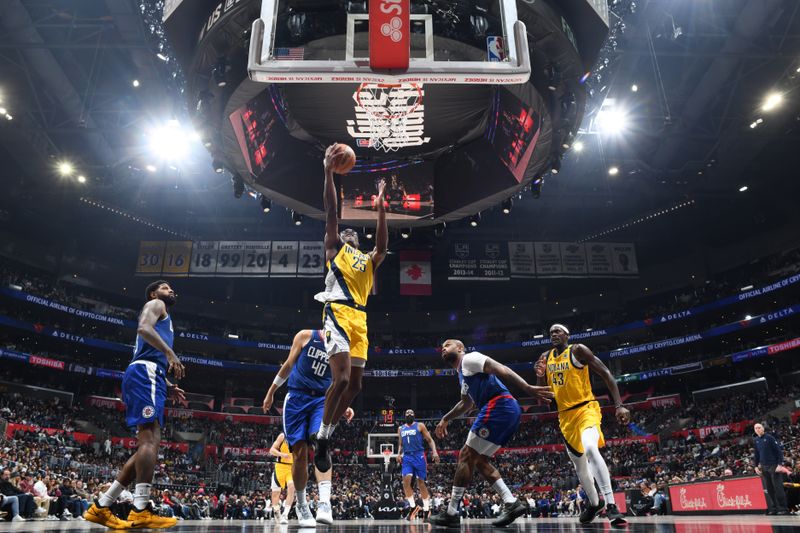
<point x="347" y="287"/>
<point x="282" y="479"/>
<point x="565" y="369"/>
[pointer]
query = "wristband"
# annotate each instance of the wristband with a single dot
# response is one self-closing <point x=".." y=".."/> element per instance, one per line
<point x="278" y="381"/>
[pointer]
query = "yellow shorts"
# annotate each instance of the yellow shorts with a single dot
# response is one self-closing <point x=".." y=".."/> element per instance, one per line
<point x="574" y="421"/>
<point x="345" y="331"/>
<point x="282" y="476"/>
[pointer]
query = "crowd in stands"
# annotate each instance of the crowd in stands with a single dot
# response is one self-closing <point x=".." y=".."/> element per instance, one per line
<point x="194" y="487"/>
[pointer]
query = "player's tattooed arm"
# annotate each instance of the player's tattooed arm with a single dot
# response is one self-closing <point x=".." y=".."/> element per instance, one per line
<point x="300" y="340"/>
<point x="381" y="230"/>
<point x="584" y="355"/>
<point x="152" y="312"/>
<point x="462" y="407"/>
<point x="513" y="380"/>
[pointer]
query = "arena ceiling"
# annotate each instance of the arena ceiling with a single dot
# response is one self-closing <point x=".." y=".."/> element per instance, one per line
<point x="702" y="69"/>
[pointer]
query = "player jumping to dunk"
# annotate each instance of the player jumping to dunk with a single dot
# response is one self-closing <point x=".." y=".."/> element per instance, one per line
<point x="347" y="287"/>
<point x="483" y="384"/>
<point x="565" y="369"/>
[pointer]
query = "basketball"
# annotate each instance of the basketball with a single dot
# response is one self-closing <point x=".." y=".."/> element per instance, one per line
<point x="344" y="160"/>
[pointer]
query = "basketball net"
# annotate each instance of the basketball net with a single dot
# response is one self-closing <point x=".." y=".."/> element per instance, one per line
<point x="388" y="108"/>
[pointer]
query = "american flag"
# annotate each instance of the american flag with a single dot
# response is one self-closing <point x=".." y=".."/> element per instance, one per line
<point x="285" y="54"/>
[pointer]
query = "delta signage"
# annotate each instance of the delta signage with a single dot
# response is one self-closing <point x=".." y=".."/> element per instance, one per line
<point x="724" y="496"/>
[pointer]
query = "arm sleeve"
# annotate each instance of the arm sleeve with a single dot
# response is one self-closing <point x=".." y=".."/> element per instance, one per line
<point x="473" y="363"/>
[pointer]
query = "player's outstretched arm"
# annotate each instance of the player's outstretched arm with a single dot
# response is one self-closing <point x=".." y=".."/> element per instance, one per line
<point x="329" y="201"/>
<point x="463" y="406"/>
<point x="300" y="339"/>
<point x="427" y="436"/>
<point x="382" y="229"/>
<point x="152" y="313"/>
<point x="583" y="354"/>
<point x="513" y="380"/>
<point x="275" y="449"/>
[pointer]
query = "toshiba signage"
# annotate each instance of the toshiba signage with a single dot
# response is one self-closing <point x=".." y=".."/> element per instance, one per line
<point x="742" y="494"/>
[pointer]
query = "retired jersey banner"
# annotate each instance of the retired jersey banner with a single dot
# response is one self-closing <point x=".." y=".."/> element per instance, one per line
<point x="478" y="260"/>
<point x="250" y="259"/>
<point x="548" y="258"/>
<point x="415" y="273"/>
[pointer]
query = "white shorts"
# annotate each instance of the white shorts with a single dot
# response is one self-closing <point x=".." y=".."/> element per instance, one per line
<point x="481" y="445"/>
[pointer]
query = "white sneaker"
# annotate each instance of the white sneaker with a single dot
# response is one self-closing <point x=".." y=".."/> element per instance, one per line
<point x="18" y="518"/>
<point x="284" y="518"/>
<point x="304" y="516"/>
<point x="324" y="515"/>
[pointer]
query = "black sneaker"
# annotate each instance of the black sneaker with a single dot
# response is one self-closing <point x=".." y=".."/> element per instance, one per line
<point x="782" y="513"/>
<point x="511" y="511"/>
<point x="322" y="455"/>
<point x="591" y="511"/>
<point x="444" y="519"/>
<point x="614" y="516"/>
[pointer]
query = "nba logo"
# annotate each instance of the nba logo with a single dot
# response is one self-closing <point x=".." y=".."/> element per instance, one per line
<point x="495" y="48"/>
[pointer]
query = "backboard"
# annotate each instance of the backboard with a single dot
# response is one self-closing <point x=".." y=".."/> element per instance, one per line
<point x="389" y="42"/>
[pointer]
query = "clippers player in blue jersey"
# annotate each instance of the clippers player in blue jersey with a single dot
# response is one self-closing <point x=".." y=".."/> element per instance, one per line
<point x="144" y="390"/>
<point x="309" y="376"/>
<point x="411" y="453"/>
<point x="483" y="385"/>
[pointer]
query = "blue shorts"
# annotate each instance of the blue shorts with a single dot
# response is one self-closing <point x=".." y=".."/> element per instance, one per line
<point x="495" y="424"/>
<point x="415" y="464"/>
<point x="302" y="415"/>
<point x="144" y="391"/>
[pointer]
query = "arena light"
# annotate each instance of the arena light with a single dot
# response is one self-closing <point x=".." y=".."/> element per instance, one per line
<point x="405" y="233"/>
<point x="578" y="146"/>
<point x="81" y="179"/>
<point x="746" y="288"/>
<point x="9" y="116"/>
<point x="3" y="110"/>
<point x="634" y="88"/>
<point x="266" y="204"/>
<point x="218" y="165"/>
<point x="297" y="218"/>
<point x="772" y="101"/>
<point x="748" y="317"/>
<point x="169" y="142"/>
<point x="611" y="119"/>
<point x="613" y="171"/>
<point x="135" y="83"/>
<point x="743" y="188"/>
<point x="162" y="57"/>
<point x="65" y="168"/>
<point x="233" y="336"/>
<point x="151" y="168"/>
<point x="508" y="203"/>
<point x="474" y="220"/>
<point x="368" y="233"/>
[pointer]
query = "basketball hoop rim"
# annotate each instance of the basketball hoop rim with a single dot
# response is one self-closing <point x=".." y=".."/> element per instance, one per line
<point x="391" y="116"/>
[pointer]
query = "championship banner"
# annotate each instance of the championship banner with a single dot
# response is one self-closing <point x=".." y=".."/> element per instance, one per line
<point x="726" y="495"/>
<point x="548" y="258"/>
<point x="177" y="258"/>
<point x="481" y="260"/>
<point x="521" y="258"/>
<point x="598" y="257"/>
<point x="415" y="273"/>
<point x="573" y="259"/>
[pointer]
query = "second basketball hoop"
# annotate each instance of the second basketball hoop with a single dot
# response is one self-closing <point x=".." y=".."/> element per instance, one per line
<point x="390" y="110"/>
